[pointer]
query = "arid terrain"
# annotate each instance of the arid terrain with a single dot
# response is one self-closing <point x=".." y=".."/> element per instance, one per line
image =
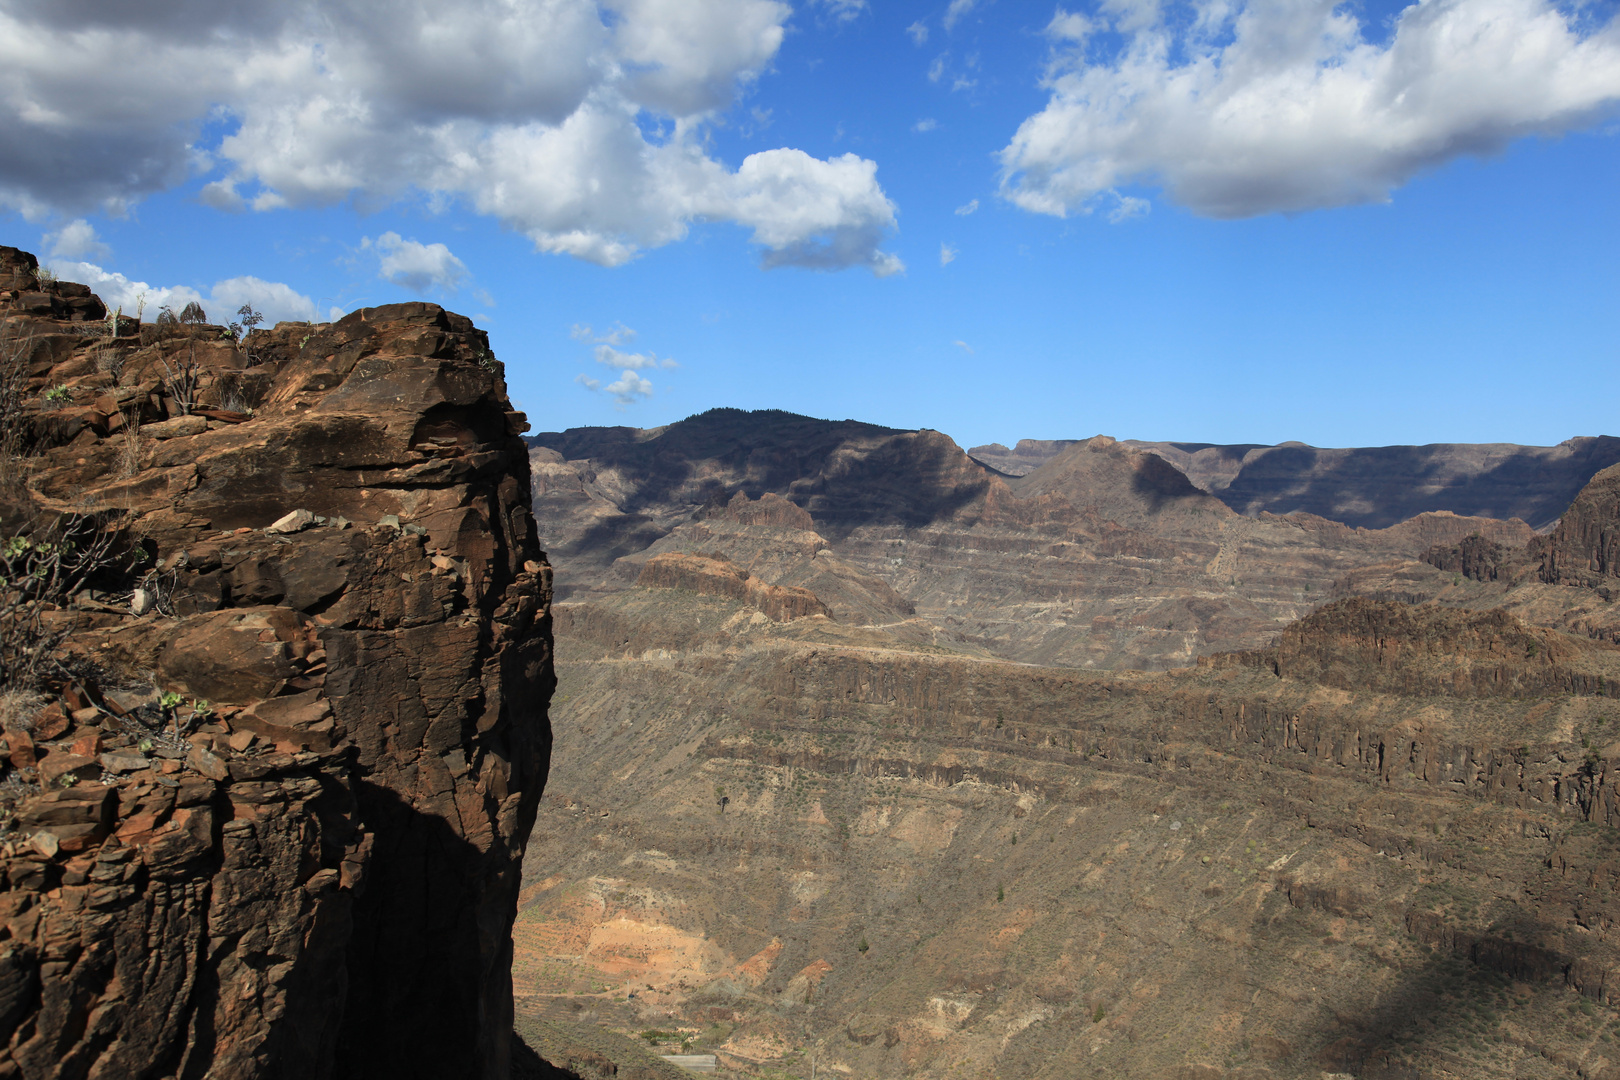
<point x="866" y="757"/>
<point x="873" y="761"/>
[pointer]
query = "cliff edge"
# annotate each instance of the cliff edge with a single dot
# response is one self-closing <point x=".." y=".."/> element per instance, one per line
<point x="272" y="762"/>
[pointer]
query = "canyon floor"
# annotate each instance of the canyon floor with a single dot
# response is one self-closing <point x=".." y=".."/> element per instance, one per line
<point x="874" y="760"/>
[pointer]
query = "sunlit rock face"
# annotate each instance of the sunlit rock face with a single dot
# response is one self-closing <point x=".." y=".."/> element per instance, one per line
<point x="304" y="860"/>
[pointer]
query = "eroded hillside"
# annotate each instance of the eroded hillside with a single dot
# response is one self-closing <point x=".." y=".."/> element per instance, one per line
<point x="912" y="834"/>
<point x="1104" y="557"/>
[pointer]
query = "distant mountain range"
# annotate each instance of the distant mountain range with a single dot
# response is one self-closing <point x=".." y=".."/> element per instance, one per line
<point x="1369" y="487"/>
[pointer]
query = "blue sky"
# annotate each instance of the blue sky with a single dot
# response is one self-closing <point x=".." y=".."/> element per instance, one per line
<point x="1220" y="221"/>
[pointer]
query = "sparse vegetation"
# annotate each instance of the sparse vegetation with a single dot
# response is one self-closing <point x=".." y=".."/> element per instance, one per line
<point x="40" y="568"/>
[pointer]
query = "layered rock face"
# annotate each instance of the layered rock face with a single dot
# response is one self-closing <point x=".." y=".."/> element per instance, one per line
<point x="310" y="765"/>
<point x="1585" y="548"/>
<point x="1105" y="556"/>
<point x="939" y="865"/>
<point x="1370" y="487"/>
<point x="709" y="576"/>
<point x="1377" y="486"/>
<point x="887" y="841"/>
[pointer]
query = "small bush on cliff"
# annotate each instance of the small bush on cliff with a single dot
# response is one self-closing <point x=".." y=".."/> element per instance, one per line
<point x="40" y="568"/>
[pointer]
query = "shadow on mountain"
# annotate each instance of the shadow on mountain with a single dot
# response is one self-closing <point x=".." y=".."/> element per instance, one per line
<point x="845" y="473"/>
<point x="1160" y="482"/>
<point x="1375" y="487"/>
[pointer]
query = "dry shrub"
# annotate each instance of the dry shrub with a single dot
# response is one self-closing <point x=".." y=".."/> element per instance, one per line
<point x="18" y="707"/>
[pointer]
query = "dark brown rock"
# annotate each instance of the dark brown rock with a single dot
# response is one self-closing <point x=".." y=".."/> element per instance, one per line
<point x="1376" y="645"/>
<point x="1474" y="557"/>
<point x="324" y="882"/>
<point x="1585" y="547"/>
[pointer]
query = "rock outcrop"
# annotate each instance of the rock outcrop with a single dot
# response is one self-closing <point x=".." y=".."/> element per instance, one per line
<point x="1585" y="547"/>
<point x="275" y="825"/>
<point x="718" y="576"/>
<point x="1475" y="557"/>
<point x="1378" y="646"/>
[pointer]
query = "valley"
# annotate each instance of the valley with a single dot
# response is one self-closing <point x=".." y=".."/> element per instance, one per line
<point x="871" y="761"/>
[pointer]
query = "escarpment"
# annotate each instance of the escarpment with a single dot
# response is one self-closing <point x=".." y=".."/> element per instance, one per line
<point x="266" y="806"/>
<point x="1585" y="547"/>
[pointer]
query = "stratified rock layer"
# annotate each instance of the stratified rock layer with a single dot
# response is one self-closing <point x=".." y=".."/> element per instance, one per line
<point x="320" y="878"/>
<point x="1585" y="548"/>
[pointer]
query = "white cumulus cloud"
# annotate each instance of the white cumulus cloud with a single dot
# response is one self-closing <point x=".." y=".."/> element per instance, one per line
<point x="918" y="31"/>
<point x="418" y="267"/>
<point x="1238" y="109"/>
<point x="626" y="361"/>
<point x="967" y="208"/>
<point x="276" y="301"/>
<point x="629" y="387"/>
<point x="579" y="123"/>
<point x="76" y="240"/>
<point x="927" y="123"/>
<point x="947" y="254"/>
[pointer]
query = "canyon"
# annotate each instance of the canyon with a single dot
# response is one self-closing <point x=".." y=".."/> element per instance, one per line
<point x="861" y="754"/>
<point x="1077" y="772"/>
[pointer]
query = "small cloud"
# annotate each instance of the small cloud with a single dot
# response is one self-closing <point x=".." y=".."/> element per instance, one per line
<point x="918" y="32"/>
<point x="627" y="388"/>
<point x="1071" y="27"/>
<point x="761" y="120"/>
<point x="947" y="255"/>
<point x="959" y="343"/>
<point x="1126" y="207"/>
<point x="928" y="123"/>
<point x="963" y="83"/>
<point x="885" y="265"/>
<point x="936" y="70"/>
<point x="958" y="8"/>
<point x="277" y="301"/>
<point x="417" y="267"/>
<point x="613" y="358"/>
<point x="269" y="200"/>
<point x="221" y="195"/>
<point x="844" y="10"/>
<point x="76" y="240"/>
<point x="967" y="208"/>
<point x="618" y="335"/>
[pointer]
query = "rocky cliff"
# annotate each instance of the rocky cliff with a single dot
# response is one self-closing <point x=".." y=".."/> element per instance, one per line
<point x="1585" y="547"/>
<point x="268" y="799"/>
